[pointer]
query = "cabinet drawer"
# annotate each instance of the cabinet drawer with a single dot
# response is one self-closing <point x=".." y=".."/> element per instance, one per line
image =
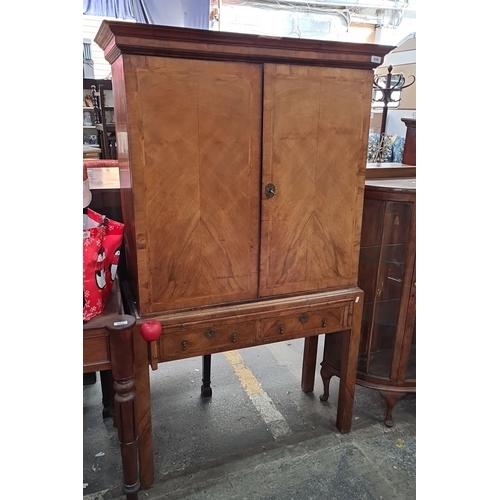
<point x="187" y="342"/>
<point x="96" y="355"/>
<point x="302" y="323"/>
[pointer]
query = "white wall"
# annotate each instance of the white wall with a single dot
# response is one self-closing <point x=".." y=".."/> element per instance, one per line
<point x="102" y="69"/>
<point x="403" y="59"/>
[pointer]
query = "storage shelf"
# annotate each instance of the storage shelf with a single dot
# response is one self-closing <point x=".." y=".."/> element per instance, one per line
<point x="95" y="129"/>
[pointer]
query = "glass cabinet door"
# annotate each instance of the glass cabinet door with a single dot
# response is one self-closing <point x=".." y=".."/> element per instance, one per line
<point x="385" y="236"/>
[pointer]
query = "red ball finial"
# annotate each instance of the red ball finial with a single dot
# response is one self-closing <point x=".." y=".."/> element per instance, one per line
<point x="151" y="330"/>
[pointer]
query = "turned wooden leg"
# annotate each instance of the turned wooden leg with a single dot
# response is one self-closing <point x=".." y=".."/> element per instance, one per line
<point x="143" y="410"/>
<point x="326" y="376"/>
<point x="206" y="390"/>
<point x="309" y="363"/>
<point x="122" y="367"/>
<point x="391" y="398"/>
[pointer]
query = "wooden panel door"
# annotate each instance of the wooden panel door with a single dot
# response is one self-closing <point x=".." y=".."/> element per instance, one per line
<point x="195" y="168"/>
<point x="315" y="130"/>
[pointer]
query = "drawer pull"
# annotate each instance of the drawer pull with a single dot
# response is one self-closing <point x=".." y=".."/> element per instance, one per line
<point x="282" y="328"/>
<point x="303" y="318"/>
<point x="323" y="322"/>
<point x="209" y="333"/>
<point x="233" y="336"/>
<point x="184" y="344"/>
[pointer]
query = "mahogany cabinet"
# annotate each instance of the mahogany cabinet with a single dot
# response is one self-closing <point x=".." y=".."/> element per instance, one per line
<point x="242" y="166"/>
<point x="387" y="353"/>
<point x="242" y="162"/>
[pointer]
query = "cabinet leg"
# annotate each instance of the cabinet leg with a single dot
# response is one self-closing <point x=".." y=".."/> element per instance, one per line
<point x="326" y="376"/>
<point x="349" y="362"/>
<point x="206" y="390"/>
<point x="391" y="398"/>
<point x="108" y="394"/>
<point x="309" y="363"/>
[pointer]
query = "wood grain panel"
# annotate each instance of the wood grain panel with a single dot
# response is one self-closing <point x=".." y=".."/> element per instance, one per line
<point x="96" y="355"/>
<point x="314" y="151"/>
<point x="197" y="155"/>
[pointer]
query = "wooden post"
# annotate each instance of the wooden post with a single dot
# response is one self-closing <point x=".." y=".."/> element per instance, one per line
<point x="122" y="366"/>
<point x="349" y="362"/>
<point x="206" y="390"/>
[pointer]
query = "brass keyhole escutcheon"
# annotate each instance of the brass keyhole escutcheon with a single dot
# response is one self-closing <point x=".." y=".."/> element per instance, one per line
<point x="270" y="190"/>
<point x="303" y="318"/>
<point x="233" y="337"/>
<point x="281" y="328"/>
<point x="184" y="344"/>
<point x="209" y="333"/>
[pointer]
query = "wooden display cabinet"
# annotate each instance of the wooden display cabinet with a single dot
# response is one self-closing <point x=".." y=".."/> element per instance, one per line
<point x="387" y="354"/>
<point x="242" y="166"/>
<point x="242" y="162"/>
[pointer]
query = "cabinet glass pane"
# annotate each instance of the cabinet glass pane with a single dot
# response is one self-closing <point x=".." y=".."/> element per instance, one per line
<point x="382" y="267"/>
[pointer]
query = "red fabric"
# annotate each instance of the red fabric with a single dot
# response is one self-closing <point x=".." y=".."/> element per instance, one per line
<point x="101" y="246"/>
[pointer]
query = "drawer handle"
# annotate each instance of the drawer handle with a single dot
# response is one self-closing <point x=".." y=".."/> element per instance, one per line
<point x="233" y="337"/>
<point x="323" y="322"/>
<point x="282" y="328"/>
<point x="303" y="318"/>
<point x="209" y="333"/>
<point x="184" y="344"/>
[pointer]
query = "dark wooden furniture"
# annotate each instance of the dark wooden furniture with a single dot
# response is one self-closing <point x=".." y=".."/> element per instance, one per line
<point x="109" y="347"/>
<point x="105" y="128"/>
<point x="95" y="345"/>
<point x="387" y="353"/>
<point x="410" y="151"/>
<point x="387" y="170"/>
<point x="242" y="170"/>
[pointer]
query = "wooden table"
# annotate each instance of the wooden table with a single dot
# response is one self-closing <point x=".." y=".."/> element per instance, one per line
<point x="111" y="343"/>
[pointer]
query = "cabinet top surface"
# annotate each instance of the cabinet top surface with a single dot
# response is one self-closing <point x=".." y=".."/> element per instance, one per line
<point x="403" y="184"/>
<point x="117" y="37"/>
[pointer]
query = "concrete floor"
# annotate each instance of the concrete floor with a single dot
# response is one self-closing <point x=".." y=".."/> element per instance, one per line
<point x="258" y="437"/>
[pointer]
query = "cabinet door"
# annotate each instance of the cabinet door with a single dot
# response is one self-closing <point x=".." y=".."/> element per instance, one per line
<point x="315" y="132"/>
<point x="385" y="270"/>
<point x="195" y="169"/>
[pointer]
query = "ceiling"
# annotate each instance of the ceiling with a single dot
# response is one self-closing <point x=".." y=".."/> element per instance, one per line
<point x="383" y="13"/>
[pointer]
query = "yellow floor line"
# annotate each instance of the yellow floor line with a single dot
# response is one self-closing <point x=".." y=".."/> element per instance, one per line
<point x="247" y="378"/>
<point x="260" y="399"/>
